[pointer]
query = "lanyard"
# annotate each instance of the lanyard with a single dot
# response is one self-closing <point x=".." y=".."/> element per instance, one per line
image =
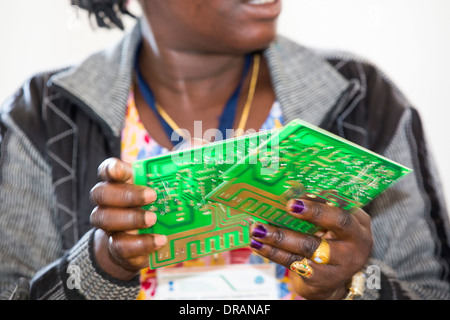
<point x="227" y="118"/>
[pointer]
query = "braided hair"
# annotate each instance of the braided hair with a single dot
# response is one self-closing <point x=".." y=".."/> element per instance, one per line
<point x="107" y="12"/>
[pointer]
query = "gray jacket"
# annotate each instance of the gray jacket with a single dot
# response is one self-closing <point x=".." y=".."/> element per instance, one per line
<point x="60" y="125"/>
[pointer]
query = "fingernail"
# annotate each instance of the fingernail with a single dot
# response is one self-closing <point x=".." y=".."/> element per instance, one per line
<point x="297" y="206"/>
<point x="256" y="244"/>
<point x="149" y="195"/>
<point x="259" y="231"/>
<point x="150" y="218"/>
<point x="160" y="240"/>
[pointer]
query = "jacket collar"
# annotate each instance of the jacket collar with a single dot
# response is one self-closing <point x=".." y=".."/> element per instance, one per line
<point x="306" y="85"/>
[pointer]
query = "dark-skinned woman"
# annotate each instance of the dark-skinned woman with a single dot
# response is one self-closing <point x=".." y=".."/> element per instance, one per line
<point x="195" y="62"/>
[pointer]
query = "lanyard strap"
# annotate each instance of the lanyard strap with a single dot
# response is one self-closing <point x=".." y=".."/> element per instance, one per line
<point x="226" y="120"/>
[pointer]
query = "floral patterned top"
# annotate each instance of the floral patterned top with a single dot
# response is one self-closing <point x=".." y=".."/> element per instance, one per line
<point x="137" y="144"/>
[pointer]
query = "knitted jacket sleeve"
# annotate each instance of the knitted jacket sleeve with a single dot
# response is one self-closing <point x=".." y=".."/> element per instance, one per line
<point x="410" y="221"/>
<point x="30" y="239"/>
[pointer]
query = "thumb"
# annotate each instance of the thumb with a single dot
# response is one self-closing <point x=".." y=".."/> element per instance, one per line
<point x="115" y="170"/>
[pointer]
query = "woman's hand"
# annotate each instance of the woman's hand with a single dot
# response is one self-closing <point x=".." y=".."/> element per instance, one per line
<point x="119" y="249"/>
<point x="349" y="238"/>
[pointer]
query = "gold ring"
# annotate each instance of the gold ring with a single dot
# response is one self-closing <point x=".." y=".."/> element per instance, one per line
<point x="322" y="253"/>
<point x="302" y="268"/>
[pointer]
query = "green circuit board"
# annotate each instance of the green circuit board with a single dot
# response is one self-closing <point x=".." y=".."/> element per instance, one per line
<point x="302" y="160"/>
<point x="195" y="226"/>
<point x="208" y="195"/>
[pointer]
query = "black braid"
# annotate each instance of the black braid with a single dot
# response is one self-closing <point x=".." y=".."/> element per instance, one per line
<point x="107" y="12"/>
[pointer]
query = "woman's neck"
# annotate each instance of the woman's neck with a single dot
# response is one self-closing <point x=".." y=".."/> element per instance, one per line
<point x="188" y="76"/>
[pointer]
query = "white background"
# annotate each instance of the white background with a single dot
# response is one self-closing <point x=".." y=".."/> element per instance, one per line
<point x="408" y="39"/>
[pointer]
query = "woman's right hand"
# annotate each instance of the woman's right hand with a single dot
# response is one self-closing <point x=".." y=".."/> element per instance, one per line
<point x="119" y="249"/>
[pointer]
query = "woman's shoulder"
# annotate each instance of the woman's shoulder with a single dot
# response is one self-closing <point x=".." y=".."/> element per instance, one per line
<point x="347" y="63"/>
<point x="370" y="97"/>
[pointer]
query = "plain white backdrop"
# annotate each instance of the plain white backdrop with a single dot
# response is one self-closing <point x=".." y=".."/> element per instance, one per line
<point x="408" y="39"/>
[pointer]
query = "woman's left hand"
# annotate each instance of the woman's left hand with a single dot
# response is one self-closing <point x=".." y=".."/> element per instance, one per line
<point x="349" y="240"/>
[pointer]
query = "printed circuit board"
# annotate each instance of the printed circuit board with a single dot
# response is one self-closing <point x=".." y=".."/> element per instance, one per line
<point x="195" y="227"/>
<point x="302" y="160"/>
<point x="208" y="195"/>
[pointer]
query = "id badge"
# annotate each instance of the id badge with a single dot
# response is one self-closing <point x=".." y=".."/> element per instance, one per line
<point x="231" y="282"/>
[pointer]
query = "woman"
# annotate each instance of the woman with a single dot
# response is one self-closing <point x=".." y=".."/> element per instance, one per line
<point x="188" y="58"/>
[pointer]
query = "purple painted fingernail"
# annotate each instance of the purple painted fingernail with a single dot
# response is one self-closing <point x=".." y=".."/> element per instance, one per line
<point x="259" y="231"/>
<point x="298" y="206"/>
<point x="256" y="244"/>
